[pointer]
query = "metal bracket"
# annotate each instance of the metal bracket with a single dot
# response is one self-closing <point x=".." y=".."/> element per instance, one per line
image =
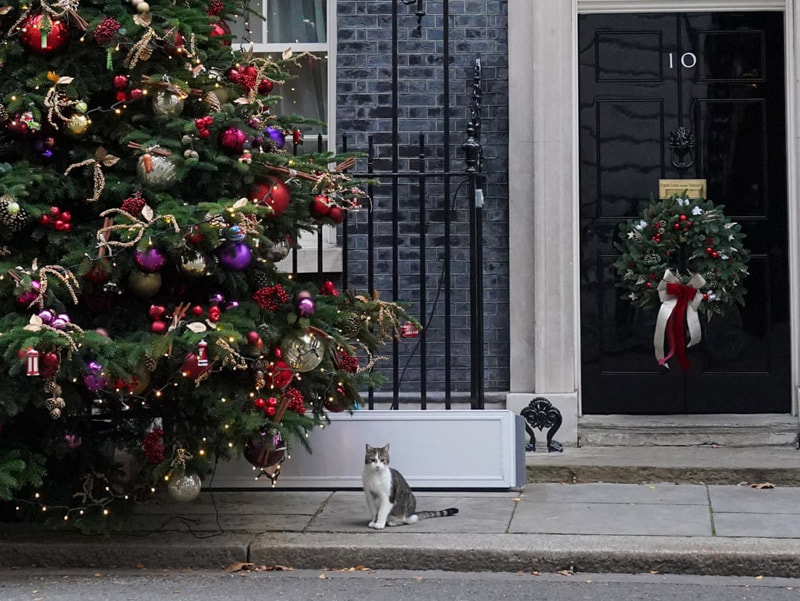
<point x="541" y="414"/>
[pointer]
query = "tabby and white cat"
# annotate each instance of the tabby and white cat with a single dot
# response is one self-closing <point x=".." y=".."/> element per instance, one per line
<point x="389" y="496"/>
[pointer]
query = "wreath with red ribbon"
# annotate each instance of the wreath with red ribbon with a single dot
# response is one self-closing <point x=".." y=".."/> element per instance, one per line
<point x="686" y="258"/>
<point x="686" y="236"/>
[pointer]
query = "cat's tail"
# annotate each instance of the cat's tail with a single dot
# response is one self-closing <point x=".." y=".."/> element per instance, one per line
<point x="424" y="515"/>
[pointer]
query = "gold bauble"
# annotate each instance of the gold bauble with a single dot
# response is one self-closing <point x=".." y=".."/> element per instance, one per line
<point x="144" y="285"/>
<point x="78" y="124"/>
<point x="194" y="264"/>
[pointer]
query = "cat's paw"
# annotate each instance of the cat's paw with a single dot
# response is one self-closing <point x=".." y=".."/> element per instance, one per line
<point x="371" y="524"/>
<point x="378" y="526"/>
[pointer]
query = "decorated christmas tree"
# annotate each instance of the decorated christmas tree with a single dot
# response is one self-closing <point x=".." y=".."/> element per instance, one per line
<point x="147" y="193"/>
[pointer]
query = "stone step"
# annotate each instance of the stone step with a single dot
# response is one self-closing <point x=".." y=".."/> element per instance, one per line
<point x="708" y="464"/>
<point x="762" y="430"/>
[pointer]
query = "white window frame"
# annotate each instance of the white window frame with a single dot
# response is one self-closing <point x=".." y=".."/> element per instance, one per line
<point x="307" y="241"/>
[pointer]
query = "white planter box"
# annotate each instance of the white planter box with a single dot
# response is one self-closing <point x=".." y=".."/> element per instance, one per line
<point x="432" y="449"/>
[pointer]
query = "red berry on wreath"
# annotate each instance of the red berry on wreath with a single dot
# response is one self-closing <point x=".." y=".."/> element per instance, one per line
<point x="260" y="403"/>
<point x="648" y="285"/>
<point x="45" y="219"/>
<point x="197" y="310"/>
<point x="709" y="250"/>
<point x="683" y="217"/>
<point x="272" y="401"/>
<point x="677" y="226"/>
<point x="270" y="411"/>
<point x="715" y="254"/>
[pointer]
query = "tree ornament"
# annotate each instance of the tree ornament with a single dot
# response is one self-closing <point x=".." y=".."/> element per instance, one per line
<point x="273" y="193"/>
<point x="336" y="214"/>
<point x="279" y="375"/>
<point x="32" y="362"/>
<point x="320" y="205"/>
<point x="270" y="297"/>
<point x="157" y="172"/>
<point x="304" y="303"/>
<point x="220" y="29"/>
<point x="267" y="451"/>
<point x="276" y="136"/>
<point x="235" y="256"/>
<point x="150" y="259"/>
<point x="215" y="7"/>
<point x="303" y="351"/>
<point x="12" y="216"/>
<point x="42" y="34"/>
<point x="232" y="140"/>
<point x="202" y="353"/>
<point x="295" y="400"/>
<point x="328" y="288"/>
<point x="194" y="264"/>
<point x="184" y="487"/>
<point x="144" y="285"/>
<point x="95" y="380"/>
<point x="265" y="86"/>
<point x="50" y="362"/>
<point x="153" y="446"/>
<point x="106" y="30"/>
<point x="409" y="330"/>
<point x="191" y="370"/>
<point x="168" y="103"/>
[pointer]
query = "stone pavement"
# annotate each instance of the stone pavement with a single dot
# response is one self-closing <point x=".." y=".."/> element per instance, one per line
<point x="592" y="527"/>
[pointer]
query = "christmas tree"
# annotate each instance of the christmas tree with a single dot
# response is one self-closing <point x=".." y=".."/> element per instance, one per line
<point x="147" y="192"/>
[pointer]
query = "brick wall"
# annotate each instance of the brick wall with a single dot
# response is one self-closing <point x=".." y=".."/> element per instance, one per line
<point x="364" y="108"/>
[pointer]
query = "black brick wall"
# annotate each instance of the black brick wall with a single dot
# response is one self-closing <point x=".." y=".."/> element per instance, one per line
<point x="364" y="108"/>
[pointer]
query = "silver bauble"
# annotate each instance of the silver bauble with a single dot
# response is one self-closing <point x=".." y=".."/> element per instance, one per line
<point x="184" y="487"/>
<point x="303" y="351"/>
<point x="167" y="104"/>
<point x="194" y="264"/>
<point x="161" y="176"/>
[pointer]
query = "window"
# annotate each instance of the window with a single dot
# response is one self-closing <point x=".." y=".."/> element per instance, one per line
<point x="304" y="26"/>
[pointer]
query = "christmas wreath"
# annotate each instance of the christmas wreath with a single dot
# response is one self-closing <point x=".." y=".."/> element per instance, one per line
<point x="686" y="237"/>
<point x="686" y="258"/>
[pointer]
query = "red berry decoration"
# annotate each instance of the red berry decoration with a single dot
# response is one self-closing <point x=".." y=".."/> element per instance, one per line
<point x="158" y="327"/>
<point x="265" y="87"/>
<point x="153" y="445"/>
<point x="37" y="37"/>
<point x="295" y="401"/>
<point x="106" y="30"/>
<point x="215" y="7"/>
<point x="260" y="403"/>
<point x="134" y="204"/>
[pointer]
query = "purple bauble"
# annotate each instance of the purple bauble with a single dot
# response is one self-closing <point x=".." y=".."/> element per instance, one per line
<point x="63" y="317"/>
<point x="47" y="317"/>
<point x="276" y="136"/>
<point x="94" y="368"/>
<point x="235" y="256"/>
<point x="232" y="140"/>
<point x="95" y="383"/>
<point x="150" y="260"/>
<point x="59" y="324"/>
<point x="305" y="307"/>
<point x="216" y="298"/>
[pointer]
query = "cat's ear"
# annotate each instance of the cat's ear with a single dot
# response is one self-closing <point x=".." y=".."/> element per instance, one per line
<point x="386" y="448"/>
<point x="369" y="448"/>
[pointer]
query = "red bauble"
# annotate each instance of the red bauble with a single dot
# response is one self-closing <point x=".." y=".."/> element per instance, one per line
<point x="279" y="375"/>
<point x="273" y="193"/>
<point x="35" y="40"/>
<point x="336" y="214"/>
<point x="221" y="28"/>
<point x="253" y="337"/>
<point x="190" y="369"/>
<point x="260" y="403"/>
<point x="265" y="86"/>
<point x="320" y="205"/>
<point x="158" y="327"/>
<point x="49" y="365"/>
<point x="99" y="272"/>
<point x="156" y="311"/>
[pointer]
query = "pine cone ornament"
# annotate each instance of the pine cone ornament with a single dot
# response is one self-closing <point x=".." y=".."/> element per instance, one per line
<point x="12" y="216"/>
<point x="259" y="279"/>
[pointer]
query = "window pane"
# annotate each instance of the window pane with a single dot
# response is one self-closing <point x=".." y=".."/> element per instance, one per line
<point x="307" y="93"/>
<point x="296" y="21"/>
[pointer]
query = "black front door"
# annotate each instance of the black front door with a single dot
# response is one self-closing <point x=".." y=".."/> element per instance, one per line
<point x="721" y="75"/>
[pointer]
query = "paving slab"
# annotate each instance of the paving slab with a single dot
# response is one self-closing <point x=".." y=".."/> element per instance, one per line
<point x="664" y="493"/>
<point x="273" y="502"/>
<point x="347" y="512"/>
<point x="784" y="525"/>
<point x="644" y="519"/>
<point x="744" y="499"/>
<point x="236" y="522"/>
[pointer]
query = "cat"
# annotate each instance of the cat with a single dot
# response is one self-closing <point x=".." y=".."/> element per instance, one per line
<point x="389" y="497"/>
